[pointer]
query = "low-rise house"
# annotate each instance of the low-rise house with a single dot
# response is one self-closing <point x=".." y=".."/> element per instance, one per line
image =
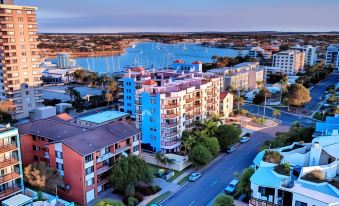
<point x="329" y="127"/>
<point x="83" y="151"/>
<point x="298" y="174"/>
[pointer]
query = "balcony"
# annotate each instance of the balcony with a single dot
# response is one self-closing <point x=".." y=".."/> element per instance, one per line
<point x="170" y="106"/>
<point x="9" y="176"/>
<point x="210" y="93"/>
<point x="189" y="100"/>
<point x="103" y="169"/>
<point x="105" y="157"/>
<point x="188" y="109"/>
<point x="122" y="149"/>
<point x="9" y="191"/>
<point x="255" y="202"/>
<point x="170" y="134"/>
<point x="8" y="147"/>
<point x="169" y="116"/>
<point x="170" y="143"/>
<point x="9" y="162"/>
<point x="171" y="124"/>
<point x="103" y="181"/>
<point x="189" y="116"/>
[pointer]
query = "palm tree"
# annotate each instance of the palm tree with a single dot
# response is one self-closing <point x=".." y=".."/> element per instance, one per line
<point x="210" y="128"/>
<point x="188" y="143"/>
<point x="276" y="113"/>
<point x="160" y="158"/>
<point x="239" y="101"/>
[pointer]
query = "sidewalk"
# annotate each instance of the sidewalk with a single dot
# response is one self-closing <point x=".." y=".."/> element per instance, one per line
<point x="187" y="172"/>
<point x="165" y="186"/>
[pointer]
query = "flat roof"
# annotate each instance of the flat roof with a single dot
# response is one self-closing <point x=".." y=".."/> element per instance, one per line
<point x="102" y="117"/>
<point x="17" y="200"/>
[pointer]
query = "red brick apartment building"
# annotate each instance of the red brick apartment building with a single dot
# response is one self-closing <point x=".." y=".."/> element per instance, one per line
<point x="83" y="154"/>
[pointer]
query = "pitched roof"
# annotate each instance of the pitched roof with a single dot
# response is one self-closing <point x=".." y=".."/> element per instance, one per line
<point x="101" y="137"/>
<point x="223" y="95"/>
<point x="197" y="62"/>
<point x="150" y="82"/>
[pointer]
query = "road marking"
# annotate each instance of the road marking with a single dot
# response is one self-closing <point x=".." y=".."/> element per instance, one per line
<point x="215" y="182"/>
<point x="247" y="153"/>
<point x="192" y="203"/>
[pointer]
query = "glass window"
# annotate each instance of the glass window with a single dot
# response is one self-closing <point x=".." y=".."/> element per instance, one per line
<point x="88" y="158"/>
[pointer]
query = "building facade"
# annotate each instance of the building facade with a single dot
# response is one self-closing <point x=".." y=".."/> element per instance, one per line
<point x="271" y="186"/>
<point x="226" y="104"/>
<point x="332" y="55"/>
<point x="11" y="177"/>
<point x="165" y="103"/>
<point x="310" y="53"/>
<point x="291" y="61"/>
<point x="20" y="59"/>
<point x="83" y="154"/>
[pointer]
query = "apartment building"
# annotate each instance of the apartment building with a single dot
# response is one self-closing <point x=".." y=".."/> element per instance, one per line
<point x="272" y="187"/>
<point x="180" y="66"/>
<point x="165" y="103"/>
<point x="243" y="76"/>
<point x="19" y="56"/>
<point x="83" y="151"/>
<point x="332" y="55"/>
<point x="291" y="61"/>
<point x="226" y="104"/>
<point x="258" y="52"/>
<point x="11" y="175"/>
<point x="310" y="53"/>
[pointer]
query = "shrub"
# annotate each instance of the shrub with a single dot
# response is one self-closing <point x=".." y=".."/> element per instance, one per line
<point x="316" y="176"/>
<point x="139" y="196"/>
<point x="108" y="202"/>
<point x="146" y="190"/>
<point x="156" y="188"/>
<point x="131" y="201"/>
<point x="247" y="134"/>
<point x="272" y="157"/>
<point x="283" y="169"/>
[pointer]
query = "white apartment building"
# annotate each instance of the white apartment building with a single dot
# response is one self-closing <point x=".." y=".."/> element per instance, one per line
<point x="291" y="61"/>
<point x="272" y="187"/>
<point x="310" y="53"/>
<point x="258" y="52"/>
<point x="332" y="55"/>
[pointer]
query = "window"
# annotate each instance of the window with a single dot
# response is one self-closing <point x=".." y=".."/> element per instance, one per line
<point x="89" y="170"/>
<point x="152" y="110"/>
<point x="20" y="19"/>
<point x="88" y="158"/>
<point x="36" y="158"/>
<point x="35" y="148"/>
<point x="136" y="148"/>
<point x="59" y="166"/>
<point x="152" y="101"/>
<point x="58" y="154"/>
<point x="298" y="203"/>
<point x="89" y="182"/>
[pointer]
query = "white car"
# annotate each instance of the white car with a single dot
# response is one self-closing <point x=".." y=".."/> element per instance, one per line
<point x="230" y="189"/>
<point x="244" y="139"/>
<point x="194" y="176"/>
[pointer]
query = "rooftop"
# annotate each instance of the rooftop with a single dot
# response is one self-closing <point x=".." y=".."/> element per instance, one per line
<point x="17" y="200"/>
<point x="102" y="117"/>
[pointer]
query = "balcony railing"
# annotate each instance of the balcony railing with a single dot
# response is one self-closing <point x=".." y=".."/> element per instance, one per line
<point x="170" y="106"/>
<point x="189" y="100"/>
<point x="170" y="143"/>
<point x="103" y="169"/>
<point x="172" y="124"/>
<point x="10" y="176"/>
<point x="8" y="147"/>
<point x="8" y="162"/>
<point x="188" y="109"/>
<point x="9" y="191"/>
<point x="170" y="134"/>
<point x="169" y="115"/>
<point x="103" y="181"/>
<point x="259" y="202"/>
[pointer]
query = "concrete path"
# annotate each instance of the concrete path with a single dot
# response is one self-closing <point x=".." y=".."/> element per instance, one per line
<point x="184" y="174"/>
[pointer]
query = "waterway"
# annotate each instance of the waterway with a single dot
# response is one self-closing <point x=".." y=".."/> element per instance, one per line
<point x="154" y="55"/>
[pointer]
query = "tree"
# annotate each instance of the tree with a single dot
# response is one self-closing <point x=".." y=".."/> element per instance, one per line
<point x="187" y="142"/>
<point x="244" y="186"/>
<point x="259" y="98"/>
<point x="129" y="171"/>
<point x="224" y="200"/>
<point x="107" y="202"/>
<point x="108" y="97"/>
<point x="228" y="135"/>
<point x="212" y="144"/>
<point x="210" y="127"/>
<point x="239" y="101"/>
<point x="276" y="113"/>
<point x="199" y="155"/>
<point x="73" y="93"/>
<point x="5" y="107"/>
<point x="39" y="175"/>
<point x="298" y="95"/>
<point x="79" y="76"/>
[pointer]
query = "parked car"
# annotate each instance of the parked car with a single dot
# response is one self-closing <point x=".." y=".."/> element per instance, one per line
<point x="230" y="189"/>
<point x="194" y="176"/>
<point x="230" y="149"/>
<point x="244" y="139"/>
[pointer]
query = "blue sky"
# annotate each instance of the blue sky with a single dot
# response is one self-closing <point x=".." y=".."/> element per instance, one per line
<point x="96" y="16"/>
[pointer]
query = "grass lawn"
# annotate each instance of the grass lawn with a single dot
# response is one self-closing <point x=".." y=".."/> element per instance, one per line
<point x="155" y="169"/>
<point x="183" y="180"/>
<point x="159" y="198"/>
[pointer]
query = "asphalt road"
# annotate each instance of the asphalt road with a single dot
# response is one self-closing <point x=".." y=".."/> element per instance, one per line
<point x="285" y="117"/>
<point x="215" y="178"/>
<point x="319" y="90"/>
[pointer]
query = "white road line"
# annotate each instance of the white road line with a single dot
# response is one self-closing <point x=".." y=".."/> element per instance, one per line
<point x="192" y="203"/>
<point x="247" y="153"/>
<point x="215" y="182"/>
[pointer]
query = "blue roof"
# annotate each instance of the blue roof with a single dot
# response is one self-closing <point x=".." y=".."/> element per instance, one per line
<point x="325" y="127"/>
<point x="258" y="158"/>
<point x="102" y="117"/>
<point x="264" y="176"/>
<point x="332" y="120"/>
<point x="323" y="188"/>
